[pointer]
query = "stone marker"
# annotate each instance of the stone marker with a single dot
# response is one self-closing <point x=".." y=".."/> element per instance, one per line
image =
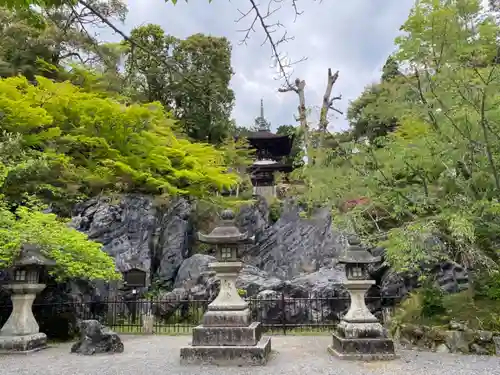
<point x="226" y="335"/>
<point x="96" y="338"/>
<point x="359" y="335"/>
<point x="20" y="334"/>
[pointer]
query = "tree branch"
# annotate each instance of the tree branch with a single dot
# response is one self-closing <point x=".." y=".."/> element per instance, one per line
<point x="282" y="62"/>
<point x="327" y="104"/>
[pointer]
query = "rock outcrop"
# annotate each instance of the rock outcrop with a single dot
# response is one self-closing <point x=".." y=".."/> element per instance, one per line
<point x="138" y="233"/>
<point x="451" y="277"/>
<point x="294" y="254"/>
<point x="294" y="245"/>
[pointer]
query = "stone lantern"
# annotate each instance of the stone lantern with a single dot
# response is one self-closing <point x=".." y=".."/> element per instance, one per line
<point x="359" y="335"/>
<point x="21" y="332"/>
<point x="227" y="335"/>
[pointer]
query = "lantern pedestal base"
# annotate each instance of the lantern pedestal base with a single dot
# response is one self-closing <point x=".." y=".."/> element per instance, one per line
<point x="23" y="344"/>
<point x="226" y="318"/>
<point x="364" y="349"/>
<point x="366" y="341"/>
<point x="256" y="355"/>
<point x="234" y="346"/>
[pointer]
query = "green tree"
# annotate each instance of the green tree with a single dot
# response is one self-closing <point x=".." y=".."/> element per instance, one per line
<point x="52" y="41"/>
<point x="193" y="83"/>
<point x="297" y="153"/>
<point x="430" y="192"/>
<point x="371" y="115"/>
<point x="96" y="144"/>
<point x="74" y="253"/>
<point x="390" y="70"/>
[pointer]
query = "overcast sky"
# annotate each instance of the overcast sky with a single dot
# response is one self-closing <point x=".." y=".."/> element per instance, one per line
<point x="354" y="37"/>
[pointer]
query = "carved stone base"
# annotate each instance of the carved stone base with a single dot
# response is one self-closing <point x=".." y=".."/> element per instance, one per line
<point x="227" y="336"/>
<point x="354" y="330"/>
<point x="243" y="345"/>
<point x="23" y="344"/>
<point x="365" y="349"/>
<point x="256" y="355"/>
<point x="216" y="318"/>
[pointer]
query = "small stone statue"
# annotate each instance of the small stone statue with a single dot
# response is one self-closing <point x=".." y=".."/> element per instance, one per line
<point x="95" y="339"/>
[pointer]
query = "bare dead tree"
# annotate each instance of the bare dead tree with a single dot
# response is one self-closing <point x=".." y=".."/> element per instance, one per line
<point x="328" y="100"/>
<point x="327" y="105"/>
<point x="299" y="88"/>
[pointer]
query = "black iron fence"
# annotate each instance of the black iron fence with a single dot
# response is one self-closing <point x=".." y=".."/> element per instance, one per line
<point x="278" y="314"/>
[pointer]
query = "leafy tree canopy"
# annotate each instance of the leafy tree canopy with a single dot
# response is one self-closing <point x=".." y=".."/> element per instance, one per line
<point x="95" y="144"/>
<point x="80" y="126"/>
<point x="191" y="79"/>
<point x="371" y="115"/>
<point x="55" y="43"/>
<point x="428" y="190"/>
<point x="75" y="255"/>
<point x="297" y="154"/>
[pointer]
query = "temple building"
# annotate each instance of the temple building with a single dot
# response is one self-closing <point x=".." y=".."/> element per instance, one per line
<point x="270" y="150"/>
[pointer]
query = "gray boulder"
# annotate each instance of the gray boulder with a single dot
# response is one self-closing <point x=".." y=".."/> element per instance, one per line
<point x="200" y="283"/>
<point x="175" y="303"/>
<point x="327" y="281"/>
<point x="96" y="338"/>
<point x="253" y="280"/>
<point x="192" y="269"/>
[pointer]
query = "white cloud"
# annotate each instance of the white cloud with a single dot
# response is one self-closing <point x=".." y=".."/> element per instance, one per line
<point x="354" y="37"/>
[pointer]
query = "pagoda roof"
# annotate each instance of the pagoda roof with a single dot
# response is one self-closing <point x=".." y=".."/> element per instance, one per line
<point x="263" y="134"/>
<point x="280" y="167"/>
<point x="276" y="144"/>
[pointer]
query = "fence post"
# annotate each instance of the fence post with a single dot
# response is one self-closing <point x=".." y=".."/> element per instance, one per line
<point x="148" y="323"/>
<point x="283" y="310"/>
<point x="387" y="314"/>
<point x="111" y="311"/>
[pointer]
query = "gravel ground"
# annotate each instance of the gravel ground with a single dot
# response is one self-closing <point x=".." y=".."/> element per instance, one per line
<point x="293" y="355"/>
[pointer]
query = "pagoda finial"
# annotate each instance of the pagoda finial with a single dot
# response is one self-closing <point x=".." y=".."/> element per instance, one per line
<point x="260" y="122"/>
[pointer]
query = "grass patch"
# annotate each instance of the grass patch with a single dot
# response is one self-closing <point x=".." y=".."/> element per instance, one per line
<point x="477" y="313"/>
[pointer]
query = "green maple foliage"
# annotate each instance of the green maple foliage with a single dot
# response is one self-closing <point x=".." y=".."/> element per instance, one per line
<point x="71" y="130"/>
<point x="95" y="144"/>
<point x="75" y="255"/>
<point x="71" y="144"/>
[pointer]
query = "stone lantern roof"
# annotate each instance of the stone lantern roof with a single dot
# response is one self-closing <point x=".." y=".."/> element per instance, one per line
<point x="31" y="255"/>
<point x="357" y="254"/>
<point x="226" y="232"/>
